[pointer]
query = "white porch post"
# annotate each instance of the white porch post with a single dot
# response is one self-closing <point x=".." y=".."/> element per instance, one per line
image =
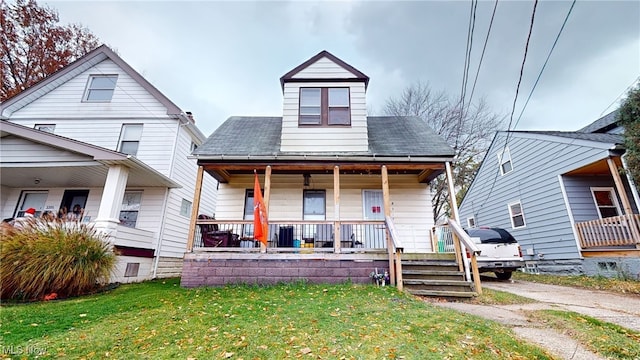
<point x="111" y="201"/>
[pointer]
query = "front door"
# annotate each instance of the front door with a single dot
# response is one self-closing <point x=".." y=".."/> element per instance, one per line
<point x="71" y="198"/>
<point x="374" y="235"/>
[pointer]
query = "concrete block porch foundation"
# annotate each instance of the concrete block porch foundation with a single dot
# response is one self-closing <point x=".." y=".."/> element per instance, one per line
<point x="217" y="268"/>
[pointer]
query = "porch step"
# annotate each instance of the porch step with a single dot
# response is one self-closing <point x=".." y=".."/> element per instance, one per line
<point x="434" y="275"/>
<point x="439" y="285"/>
<point x="437" y="293"/>
<point x="431" y="274"/>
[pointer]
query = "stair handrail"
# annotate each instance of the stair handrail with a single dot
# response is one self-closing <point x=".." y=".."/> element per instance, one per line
<point x="395" y="258"/>
<point x="460" y="237"/>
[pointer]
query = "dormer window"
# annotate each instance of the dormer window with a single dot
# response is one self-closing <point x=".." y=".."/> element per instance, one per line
<point x="100" y="88"/>
<point x="324" y="106"/>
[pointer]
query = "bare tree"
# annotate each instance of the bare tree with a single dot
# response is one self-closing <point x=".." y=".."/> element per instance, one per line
<point x="467" y="129"/>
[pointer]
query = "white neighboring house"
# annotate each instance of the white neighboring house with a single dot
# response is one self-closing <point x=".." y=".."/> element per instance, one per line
<point x="99" y="135"/>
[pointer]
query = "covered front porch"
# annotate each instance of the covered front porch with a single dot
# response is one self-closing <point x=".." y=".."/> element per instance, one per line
<point x="610" y="223"/>
<point x="360" y="233"/>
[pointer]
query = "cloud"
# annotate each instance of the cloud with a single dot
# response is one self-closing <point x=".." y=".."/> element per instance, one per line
<point x="219" y="58"/>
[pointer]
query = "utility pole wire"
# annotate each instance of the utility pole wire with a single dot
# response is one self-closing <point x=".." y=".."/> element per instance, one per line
<point x="486" y="40"/>
<point x="545" y="64"/>
<point x="467" y="64"/>
<point x="506" y="142"/>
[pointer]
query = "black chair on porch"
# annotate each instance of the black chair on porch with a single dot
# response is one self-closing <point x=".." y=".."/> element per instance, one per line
<point x="213" y="237"/>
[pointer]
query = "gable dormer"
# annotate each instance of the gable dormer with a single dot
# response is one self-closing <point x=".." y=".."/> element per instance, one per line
<point x="325" y="107"/>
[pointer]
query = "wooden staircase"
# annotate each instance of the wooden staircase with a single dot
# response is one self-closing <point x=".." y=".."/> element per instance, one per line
<point x="434" y="274"/>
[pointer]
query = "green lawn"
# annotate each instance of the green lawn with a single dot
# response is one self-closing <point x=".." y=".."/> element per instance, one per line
<point x="161" y="320"/>
<point x="622" y="286"/>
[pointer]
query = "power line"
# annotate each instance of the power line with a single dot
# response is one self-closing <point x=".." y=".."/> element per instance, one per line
<point x="619" y="96"/>
<point x="545" y="64"/>
<point x="467" y="64"/>
<point x="486" y="40"/>
<point x="524" y="59"/>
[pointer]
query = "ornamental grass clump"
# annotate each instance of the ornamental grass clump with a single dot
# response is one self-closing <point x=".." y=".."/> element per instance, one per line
<point x="43" y="257"/>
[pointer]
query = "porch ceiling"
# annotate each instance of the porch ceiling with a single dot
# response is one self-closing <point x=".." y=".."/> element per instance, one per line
<point x="88" y="174"/>
<point x="223" y="172"/>
<point x="599" y="167"/>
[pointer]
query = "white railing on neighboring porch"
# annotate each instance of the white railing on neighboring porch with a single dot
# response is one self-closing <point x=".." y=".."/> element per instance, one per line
<point x="613" y="231"/>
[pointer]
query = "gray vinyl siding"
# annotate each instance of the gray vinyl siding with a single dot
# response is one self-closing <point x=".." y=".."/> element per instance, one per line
<point x="537" y="161"/>
<point x="578" y="190"/>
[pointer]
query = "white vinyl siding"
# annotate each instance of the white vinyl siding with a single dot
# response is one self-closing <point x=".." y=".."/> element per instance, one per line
<point x="130" y="99"/>
<point x="329" y="138"/>
<point x="324" y="68"/>
<point x="15" y="150"/>
<point x="183" y="170"/>
<point x="411" y="207"/>
<point x="164" y="146"/>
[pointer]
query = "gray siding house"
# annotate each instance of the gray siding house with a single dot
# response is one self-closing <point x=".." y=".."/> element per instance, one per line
<point x="564" y="197"/>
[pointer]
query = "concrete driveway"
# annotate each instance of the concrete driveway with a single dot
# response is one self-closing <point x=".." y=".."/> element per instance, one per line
<point x="623" y="310"/>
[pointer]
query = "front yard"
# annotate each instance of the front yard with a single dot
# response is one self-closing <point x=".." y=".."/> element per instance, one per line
<point x="161" y="320"/>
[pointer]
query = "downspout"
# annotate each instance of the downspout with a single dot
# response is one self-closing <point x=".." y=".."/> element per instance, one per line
<point x="632" y="184"/>
<point x="164" y="206"/>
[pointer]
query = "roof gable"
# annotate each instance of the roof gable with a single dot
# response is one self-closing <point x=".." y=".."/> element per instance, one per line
<point x="65" y="74"/>
<point x="355" y="74"/>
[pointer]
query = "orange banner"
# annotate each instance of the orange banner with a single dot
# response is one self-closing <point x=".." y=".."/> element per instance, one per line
<point x="260" y="222"/>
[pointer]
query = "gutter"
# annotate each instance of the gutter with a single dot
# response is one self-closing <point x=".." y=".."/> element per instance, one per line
<point x="328" y="158"/>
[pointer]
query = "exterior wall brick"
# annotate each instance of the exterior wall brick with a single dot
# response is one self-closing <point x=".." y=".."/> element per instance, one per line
<point x="214" y="272"/>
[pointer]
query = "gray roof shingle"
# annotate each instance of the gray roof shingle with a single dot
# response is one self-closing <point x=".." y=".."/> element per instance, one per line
<point x="599" y="137"/>
<point x="404" y="135"/>
<point x="388" y="136"/>
<point x="602" y="124"/>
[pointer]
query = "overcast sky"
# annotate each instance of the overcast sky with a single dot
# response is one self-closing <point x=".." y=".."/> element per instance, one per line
<point x="219" y="59"/>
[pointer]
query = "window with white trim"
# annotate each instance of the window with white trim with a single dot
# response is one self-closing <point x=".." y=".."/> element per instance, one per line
<point x="313" y="206"/>
<point x="324" y="106"/>
<point x="504" y="159"/>
<point x="185" y="208"/>
<point x="606" y="202"/>
<point x="517" y="216"/>
<point x="100" y="88"/>
<point x="32" y="199"/>
<point x="130" y="208"/>
<point x="130" y="138"/>
<point x="471" y="222"/>
<point x="45" y="127"/>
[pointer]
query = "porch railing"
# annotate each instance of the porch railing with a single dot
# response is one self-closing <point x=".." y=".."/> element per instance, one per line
<point x="613" y="231"/>
<point x="452" y="238"/>
<point x="293" y="236"/>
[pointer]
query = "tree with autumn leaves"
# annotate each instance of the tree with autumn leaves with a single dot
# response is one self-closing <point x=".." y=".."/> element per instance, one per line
<point x="34" y="45"/>
<point x="629" y="117"/>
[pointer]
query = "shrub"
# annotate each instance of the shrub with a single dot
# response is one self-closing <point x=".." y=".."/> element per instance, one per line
<point x="65" y="258"/>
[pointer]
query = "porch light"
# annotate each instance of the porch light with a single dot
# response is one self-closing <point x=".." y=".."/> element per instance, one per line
<point x="307" y="178"/>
